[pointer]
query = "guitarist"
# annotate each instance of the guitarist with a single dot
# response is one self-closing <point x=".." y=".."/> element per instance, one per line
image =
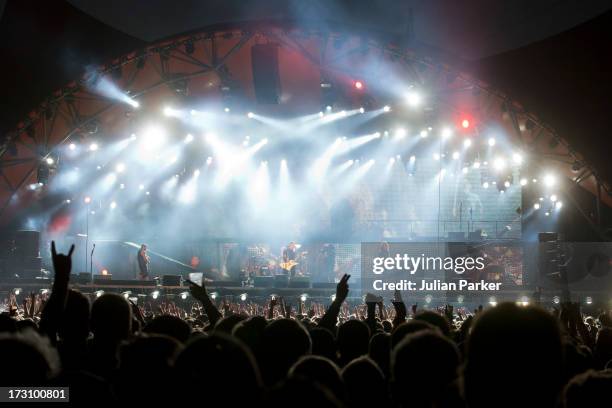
<point x="290" y="254"/>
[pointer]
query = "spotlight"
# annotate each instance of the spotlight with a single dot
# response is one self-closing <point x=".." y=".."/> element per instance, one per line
<point x="333" y="297"/>
<point x="121" y="186"/>
<point x="553" y="197"/>
<point x="547" y="213"/>
<point x="446" y="133"/>
<point x="127" y="294"/>
<point x="412" y="159"/>
<point x="243" y="297"/>
<point x="99" y="293"/>
<point x="436" y="156"/>
<point x="209" y="160"/>
<point x="189" y="138"/>
<point x="460" y="298"/>
<point x="49" y="160"/>
<point x="358" y="85"/>
<point x="476" y="165"/>
<point x="391" y="160"/>
<point x="328" y="108"/>
<point x="491" y="141"/>
<point x="506" y="184"/>
<point x="589" y="300"/>
<point x="499" y="163"/>
<point x="485" y="184"/>
<point x="524" y="301"/>
<point x="17" y="291"/>
<point x="455" y="155"/>
<point x="386" y="108"/>
<point x="155" y="294"/>
<point x="424" y="133"/>
<point x="428" y="299"/>
<point x="141" y="187"/>
<point x="184" y="295"/>
<point x="113" y="205"/>
<point x="120" y="168"/>
<point x="226" y="109"/>
<point x="517" y="158"/>
<point x="214" y="295"/>
<point x="68" y="201"/>
<point x="361" y="110"/>
<point x="559" y="205"/>
<point x="250" y="115"/>
<point x="87" y="200"/>
<point x="72" y="146"/>
<point x="467" y="143"/>
<point x="492" y="301"/>
<point x="303" y="297"/>
<point x="93" y="147"/>
<point x="556" y="300"/>
<point x="413" y="98"/>
<point x="523" y="182"/>
<point x="465" y="170"/>
<point x="536" y="206"/>
<point x="196" y="173"/>
<point x="465" y="123"/>
<point x="549" y="180"/>
<point x="400" y="133"/>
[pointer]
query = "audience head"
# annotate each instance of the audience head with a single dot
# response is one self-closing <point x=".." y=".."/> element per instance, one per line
<point x="74" y="325"/>
<point x="589" y="389"/>
<point x="353" y="340"/>
<point x="284" y="342"/>
<point x="172" y="326"/>
<point x="111" y="318"/>
<point x="320" y="370"/>
<point x="27" y="359"/>
<point x="509" y="342"/>
<point x="323" y="343"/>
<point x="365" y="383"/>
<point x="435" y="319"/>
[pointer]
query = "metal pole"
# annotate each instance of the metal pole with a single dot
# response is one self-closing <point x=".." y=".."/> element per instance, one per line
<point x="87" y="236"/>
<point x="599" y="204"/>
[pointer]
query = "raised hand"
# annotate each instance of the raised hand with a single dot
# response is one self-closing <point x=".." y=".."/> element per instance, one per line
<point x="62" y="264"/>
<point x="342" y="288"/>
<point x="198" y="292"/>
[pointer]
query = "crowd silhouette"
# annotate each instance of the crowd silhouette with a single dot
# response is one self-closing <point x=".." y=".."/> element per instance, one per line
<point x="113" y="350"/>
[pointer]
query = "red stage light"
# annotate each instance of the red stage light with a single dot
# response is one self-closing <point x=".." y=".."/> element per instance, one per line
<point x="358" y="84"/>
<point x="465" y="123"/>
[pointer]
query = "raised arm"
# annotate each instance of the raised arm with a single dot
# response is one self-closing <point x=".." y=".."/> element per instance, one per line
<point x="54" y="308"/>
<point x="200" y="293"/>
<point x="330" y="318"/>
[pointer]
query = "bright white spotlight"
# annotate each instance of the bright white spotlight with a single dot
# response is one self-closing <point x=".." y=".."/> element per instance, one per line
<point x="133" y="103"/>
<point x="386" y="108"/>
<point x="68" y="201"/>
<point x="196" y="173"/>
<point x="446" y="133"/>
<point x="155" y="294"/>
<point x="113" y="205"/>
<point x="400" y="133"/>
<point x="499" y="163"/>
<point x="133" y="136"/>
<point x="49" y="160"/>
<point x="549" y="180"/>
<point x="121" y="186"/>
<point x="184" y="295"/>
<point x="111" y="178"/>
<point x="485" y="184"/>
<point x="361" y="110"/>
<point x="120" y="168"/>
<point x="168" y="111"/>
<point x="412" y="159"/>
<point x="547" y="213"/>
<point x="467" y="143"/>
<point x="243" y="297"/>
<point x="153" y="137"/>
<point x="226" y="109"/>
<point x="189" y="138"/>
<point x="391" y="160"/>
<point x="72" y="146"/>
<point x="328" y="108"/>
<point x="141" y="187"/>
<point x="523" y="182"/>
<point x="413" y="98"/>
<point x="536" y="206"/>
<point x="465" y="170"/>
<point x="436" y="156"/>
<point x="455" y="155"/>
<point x="93" y="147"/>
<point x="506" y="184"/>
<point x="491" y="141"/>
<point x="553" y="197"/>
<point x="87" y="200"/>
<point x="209" y="160"/>
<point x="517" y="158"/>
<point x="250" y="115"/>
<point x="558" y="205"/>
<point x="476" y="165"/>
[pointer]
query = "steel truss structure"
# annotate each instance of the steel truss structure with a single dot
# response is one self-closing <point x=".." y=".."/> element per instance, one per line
<point x="218" y="57"/>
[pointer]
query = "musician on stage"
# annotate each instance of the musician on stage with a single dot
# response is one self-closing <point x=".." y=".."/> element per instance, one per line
<point x="143" y="263"/>
<point x="290" y="254"/>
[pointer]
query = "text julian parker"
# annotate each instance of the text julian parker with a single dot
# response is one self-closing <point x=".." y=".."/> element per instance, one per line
<point x="435" y="285"/>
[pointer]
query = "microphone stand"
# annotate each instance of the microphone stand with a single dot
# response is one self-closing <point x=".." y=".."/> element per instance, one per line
<point x="91" y="261"/>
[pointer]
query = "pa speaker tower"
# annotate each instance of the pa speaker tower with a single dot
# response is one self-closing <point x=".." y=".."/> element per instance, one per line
<point x="266" y="80"/>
